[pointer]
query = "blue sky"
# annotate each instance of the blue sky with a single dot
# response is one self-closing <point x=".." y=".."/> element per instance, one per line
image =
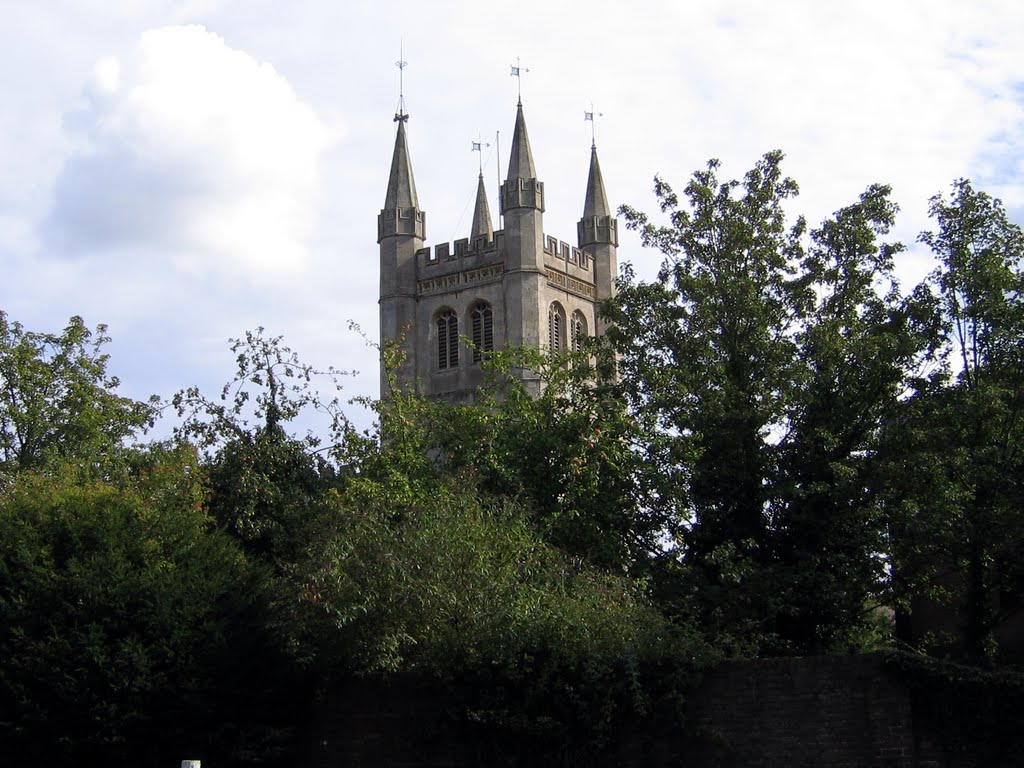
<point x="184" y="171"/>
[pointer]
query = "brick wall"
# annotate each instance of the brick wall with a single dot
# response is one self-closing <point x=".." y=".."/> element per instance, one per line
<point x="827" y="712"/>
<point x="840" y="712"/>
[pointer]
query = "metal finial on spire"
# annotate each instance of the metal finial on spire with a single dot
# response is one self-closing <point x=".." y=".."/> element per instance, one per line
<point x="401" y="115"/>
<point x="517" y="72"/>
<point x="591" y="116"/>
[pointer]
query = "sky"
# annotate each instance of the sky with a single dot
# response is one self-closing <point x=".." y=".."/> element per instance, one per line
<point x="186" y="170"/>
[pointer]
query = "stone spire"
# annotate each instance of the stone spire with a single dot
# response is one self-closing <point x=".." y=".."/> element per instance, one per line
<point x="597" y="225"/>
<point x="596" y="203"/>
<point x="481" y="215"/>
<point x="598" y="233"/>
<point x="401" y="185"/>
<point x="520" y="164"/>
<point x="521" y="188"/>
<point x="401" y="214"/>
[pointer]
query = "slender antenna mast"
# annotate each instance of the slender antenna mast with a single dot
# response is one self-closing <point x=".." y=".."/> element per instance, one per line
<point x="497" y="172"/>
<point x="591" y="115"/>
<point x="517" y="72"/>
<point x="401" y="115"/>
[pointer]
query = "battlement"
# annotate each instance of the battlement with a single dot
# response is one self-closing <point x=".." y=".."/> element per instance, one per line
<point x="521" y="193"/>
<point x="452" y="257"/>
<point x="568" y="268"/>
<point x="594" y="230"/>
<point x="446" y="258"/>
<point x="556" y="250"/>
<point x="401" y="221"/>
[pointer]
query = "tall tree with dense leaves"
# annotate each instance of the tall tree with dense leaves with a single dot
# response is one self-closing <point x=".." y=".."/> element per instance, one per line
<point x="761" y="361"/>
<point x="858" y="344"/>
<point x="57" y="401"/>
<point x="957" y="459"/>
<point x="264" y="481"/>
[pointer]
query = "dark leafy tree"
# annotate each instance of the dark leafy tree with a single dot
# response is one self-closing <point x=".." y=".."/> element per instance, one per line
<point x="956" y="452"/>
<point x="264" y="482"/>
<point x="761" y="362"/>
<point x="57" y="401"/>
<point x="128" y="629"/>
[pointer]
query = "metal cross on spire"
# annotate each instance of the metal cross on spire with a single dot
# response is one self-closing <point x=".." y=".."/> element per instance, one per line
<point x="401" y="115"/>
<point x="592" y="117"/>
<point x="517" y="72"/>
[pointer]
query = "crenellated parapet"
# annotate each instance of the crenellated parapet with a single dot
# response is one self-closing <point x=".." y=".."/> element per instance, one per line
<point x="522" y="193"/>
<point x="450" y="256"/>
<point x="593" y="230"/>
<point x="455" y="256"/>
<point x="561" y="254"/>
<point x="401" y="221"/>
<point x="568" y="268"/>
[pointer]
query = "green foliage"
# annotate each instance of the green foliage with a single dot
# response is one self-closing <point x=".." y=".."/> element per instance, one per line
<point x="264" y="483"/>
<point x="447" y="584"/>
<point x="567" y="453"/>
<point x="263" y="489"/>
<point x="272" y="387"/>
<point x="121" y="615"/>
<point x="751" y="465"/>
<point x="761" y="362"/>
<point x="955" y="458"/>
<point x="57" y="401"/>
<point x="438" y="559"/>
<point x="448" y="580"/>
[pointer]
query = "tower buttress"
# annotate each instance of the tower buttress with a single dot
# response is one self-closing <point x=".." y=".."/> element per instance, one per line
<point x="401" y="231"/>
<point x="598" y="233"/>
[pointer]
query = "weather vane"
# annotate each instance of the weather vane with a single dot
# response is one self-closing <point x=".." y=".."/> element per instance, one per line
<point x="401" y="115"/>
<point x="478" y="146"/>
<point x="517" y="72"/>
<point x="591" y="116"/>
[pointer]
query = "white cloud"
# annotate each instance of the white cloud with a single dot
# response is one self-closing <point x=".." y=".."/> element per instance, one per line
<point x="191" y="150"/>
<point x="195" y="165"/>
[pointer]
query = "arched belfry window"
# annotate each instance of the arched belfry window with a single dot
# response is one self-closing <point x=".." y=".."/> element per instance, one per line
<point x="447" y="339"/>
<point x="577" y="331"/>
<point x="482" y="324"/>
<point x="556" y="326"/>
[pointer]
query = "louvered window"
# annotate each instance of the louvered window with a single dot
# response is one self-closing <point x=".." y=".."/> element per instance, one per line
<point x="483" y="330"/>
<point x="577" y="331"/>
<point x="447" y="340"/>
<point x="556" y="327"/>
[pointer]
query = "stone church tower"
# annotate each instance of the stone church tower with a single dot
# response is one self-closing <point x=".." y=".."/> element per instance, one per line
<point x="512" y="286"/>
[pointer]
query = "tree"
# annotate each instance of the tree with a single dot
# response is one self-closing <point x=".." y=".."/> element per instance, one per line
<point x="957" y="464"/>
<point x="761" y="362"/>
<point x="57" y="401"/>
<point x="858" y="344"/>
<point x="128" y="629"/>
<point x="264" y="482"/>
<point x="567" y="454"/>
<point x="420" y="569"/>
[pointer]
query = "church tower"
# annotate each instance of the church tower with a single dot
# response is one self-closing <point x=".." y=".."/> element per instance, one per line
<point x="512" y="286"/>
